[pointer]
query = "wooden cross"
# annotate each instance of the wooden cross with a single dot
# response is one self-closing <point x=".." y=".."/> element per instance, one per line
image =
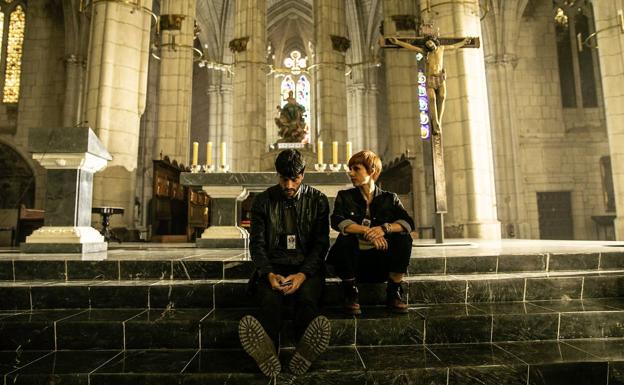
<point x="432" y="48"/>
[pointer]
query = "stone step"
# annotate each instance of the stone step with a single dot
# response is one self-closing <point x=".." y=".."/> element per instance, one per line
<point x="87" y="329"/>
<point x="161" y="294"/>
<point x="235" y="264"/>
<point x="597" y="362"/>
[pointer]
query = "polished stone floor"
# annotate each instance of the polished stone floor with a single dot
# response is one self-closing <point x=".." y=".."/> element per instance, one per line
<point x="510" y="312"/>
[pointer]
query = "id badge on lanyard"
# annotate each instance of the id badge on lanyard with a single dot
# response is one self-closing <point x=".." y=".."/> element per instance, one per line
<point x="291" y="242"/>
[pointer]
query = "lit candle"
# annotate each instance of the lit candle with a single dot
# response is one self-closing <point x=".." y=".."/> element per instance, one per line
<point x="348" y="152"/>
<point x="334" y="152"/>
<point x="209" y="154"/>
<point x="195" y="153"/>
<point x="223" y="154"/>
<point x="319" y="152"/>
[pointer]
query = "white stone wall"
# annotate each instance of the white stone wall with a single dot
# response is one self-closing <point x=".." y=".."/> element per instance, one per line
<point x="554" y="156"/>
<point x="611" y="42"/>
<point x="42" y="87"/>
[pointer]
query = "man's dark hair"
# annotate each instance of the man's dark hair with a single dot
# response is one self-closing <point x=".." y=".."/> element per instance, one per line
<point x="290" y="163"/>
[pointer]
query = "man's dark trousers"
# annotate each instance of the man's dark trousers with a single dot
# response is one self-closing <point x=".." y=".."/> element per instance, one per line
<point x="306" y="302"/>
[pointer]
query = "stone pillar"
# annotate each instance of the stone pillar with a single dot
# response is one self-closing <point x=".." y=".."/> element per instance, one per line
<point x="249" y="104"/>
<point x="330" y="32"/>
<point x="466" y="125"/>
<point x="76" y="51"/>
<point x="115" y="95"/>
<point x="370" y="108"/>
<point x="401" y="82"/>
<point x="611" y="53"/>
<point x="500" y="59"/>
<point x="219" y="114"/>
<point x="362" y="116"/>
<point x="74" y="81"/>
<point x="176" y="76"/>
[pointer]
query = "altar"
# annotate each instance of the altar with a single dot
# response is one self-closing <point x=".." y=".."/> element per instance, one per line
<point x="228" y="189"/>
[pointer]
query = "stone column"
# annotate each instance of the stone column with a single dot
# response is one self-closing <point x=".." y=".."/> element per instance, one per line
<point x="500" y="59"/>
<point x="74" y="71"/>
<point x="219" y="114"/>
<point x="370" y="107"/>
<point x="249" y="104"/>
<point x="76" y="51"/>
<point x="176" y="76"/>
<point x="466" y="125"/>
<point x="354" y="115"/>
<point x="401" y="81"/>
<point x="362" y="116"/>
<point x="115" y="95"/>
<point x="611" y="53"/>
<point x="330" y="32"/>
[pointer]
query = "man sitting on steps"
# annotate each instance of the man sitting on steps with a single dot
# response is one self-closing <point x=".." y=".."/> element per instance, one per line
<point x="289" y="240"/>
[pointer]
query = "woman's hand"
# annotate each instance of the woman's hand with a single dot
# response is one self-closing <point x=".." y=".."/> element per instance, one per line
<point x="374" y="233"/>
<point x="380" y="243"/>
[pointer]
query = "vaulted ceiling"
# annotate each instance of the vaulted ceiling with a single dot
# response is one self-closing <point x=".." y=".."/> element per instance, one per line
<point x="290" y="25"/>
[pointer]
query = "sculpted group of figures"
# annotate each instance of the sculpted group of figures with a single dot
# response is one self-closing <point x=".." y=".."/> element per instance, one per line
<point x="290" y="248"/>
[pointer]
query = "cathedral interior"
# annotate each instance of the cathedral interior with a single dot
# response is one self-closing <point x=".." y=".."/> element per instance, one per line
<point x="166" y="95"/>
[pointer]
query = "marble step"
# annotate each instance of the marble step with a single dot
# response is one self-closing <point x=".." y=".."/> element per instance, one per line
<point x="83" y="329"/>
<point x="235" y="264"/>
<point x="162" y="294"/>
<point x="596" y="362"/>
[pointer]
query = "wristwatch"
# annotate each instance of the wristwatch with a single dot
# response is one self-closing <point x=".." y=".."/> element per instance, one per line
<point x="386" y="228"/>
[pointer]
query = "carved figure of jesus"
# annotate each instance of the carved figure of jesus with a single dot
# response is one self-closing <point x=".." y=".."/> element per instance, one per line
<point x="433" y="52"/>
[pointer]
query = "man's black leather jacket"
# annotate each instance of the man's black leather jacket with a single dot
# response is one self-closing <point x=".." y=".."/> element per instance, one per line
<point x="350" y="207"/>
<point x="267" y="223"/>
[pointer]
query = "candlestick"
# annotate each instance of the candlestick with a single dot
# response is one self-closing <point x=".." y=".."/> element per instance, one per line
<point x="209" y="154"/>
<point x="348" y="152"/>
<point x="223" y="154"/>
<point x="335" y="152"/>
<point x="195" y="153"/>
<point x="319" y="152"/>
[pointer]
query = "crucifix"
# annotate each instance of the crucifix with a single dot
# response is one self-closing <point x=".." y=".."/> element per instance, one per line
<point x="432" y="93"/>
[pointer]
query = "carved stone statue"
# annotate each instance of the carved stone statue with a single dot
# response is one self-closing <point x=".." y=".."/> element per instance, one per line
<point x="290" y="123"/>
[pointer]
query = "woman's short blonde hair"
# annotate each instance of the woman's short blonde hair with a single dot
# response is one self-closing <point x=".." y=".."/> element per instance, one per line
<point x="369" y="160"/>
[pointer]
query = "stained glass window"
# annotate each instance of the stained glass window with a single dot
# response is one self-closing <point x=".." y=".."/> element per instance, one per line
<point x="303" y="95"/>
<point x="1" y="31"/>
<point x="287" y="85"/>
<point x="15" y="42"/>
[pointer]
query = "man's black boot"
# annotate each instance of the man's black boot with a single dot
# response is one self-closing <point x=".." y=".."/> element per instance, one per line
<point x="314" y="341"/>
<point x="259" y="346"/>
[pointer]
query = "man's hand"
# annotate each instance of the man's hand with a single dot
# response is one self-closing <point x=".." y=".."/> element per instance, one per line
<point x="374" y="233"/>
<point x="297" y="280"/>
<point x="380" y="243"/>
<point x="275" y="280"/>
